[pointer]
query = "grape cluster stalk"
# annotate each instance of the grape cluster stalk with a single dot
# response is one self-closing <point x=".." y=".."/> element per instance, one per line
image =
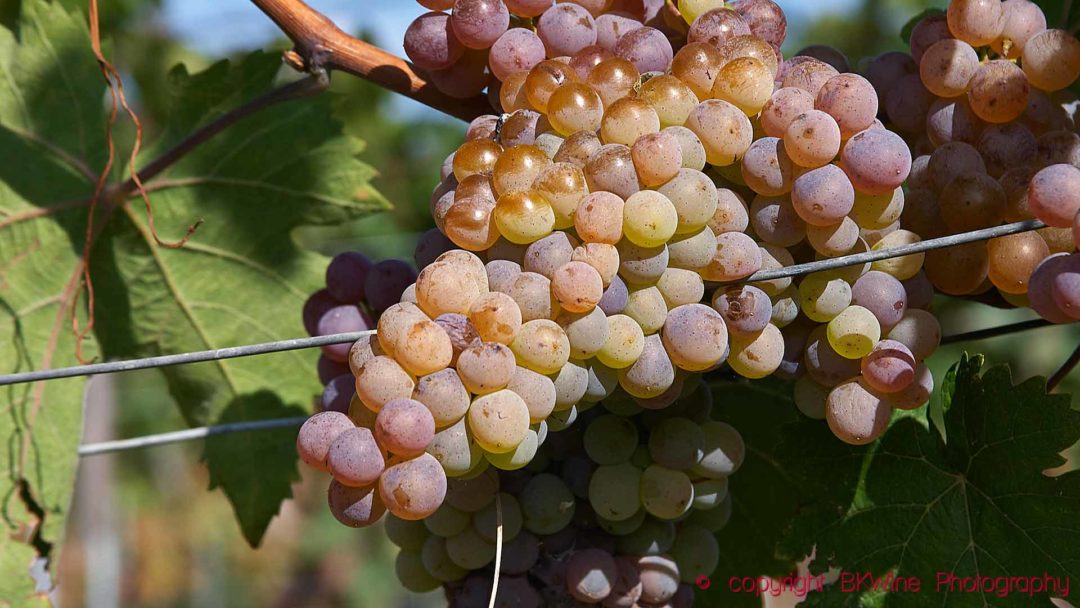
<point x="542" y="378"/>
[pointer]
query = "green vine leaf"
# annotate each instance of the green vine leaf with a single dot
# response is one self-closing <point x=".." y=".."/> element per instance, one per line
<point x="241" y="278"/>
<point x="977" y="506"/>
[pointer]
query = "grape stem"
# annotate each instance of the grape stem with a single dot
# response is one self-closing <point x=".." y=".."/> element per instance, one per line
<point x="1064" y="371"/>
<point x="322" y="46"/>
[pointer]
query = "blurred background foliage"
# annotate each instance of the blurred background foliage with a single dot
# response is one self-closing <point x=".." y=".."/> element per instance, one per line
<point x="144" y="530"/>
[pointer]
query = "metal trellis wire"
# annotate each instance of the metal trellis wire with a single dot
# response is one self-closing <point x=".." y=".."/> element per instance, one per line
<point x="345" y="338"/>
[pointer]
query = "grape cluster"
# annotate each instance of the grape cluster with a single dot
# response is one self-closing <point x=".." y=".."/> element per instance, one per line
<point x="982" y="99"/>
<point x="619" y="510"/>
<point x="596" y="241"/>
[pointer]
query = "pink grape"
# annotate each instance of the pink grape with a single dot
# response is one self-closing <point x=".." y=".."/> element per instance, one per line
<point x="1041" y="289"/>
<point x="881" y="294"/>
<point x="1065" y="286"/>
<point x="318" y="433"/>
<point x="404" y="427"/>
<point x="430" y="42"/>
<point x="612" y="26"/>
<point x="479" y="23"/>
<point x="413" y="489"/>
<point x="528" y="8"/>
<point x="886" y="70"/>
<point x="354" y="458"/>
<point x="1054" y="195"/>
<point x="517" y="50"/>
<point x="890" y="367"/>
<point x="765" y="18"/>
<point x="566" y="29"/>
<point x="647" y="48"/>
<point x="823" y="196"/>
<point x="717" y="27"/>
<point x="851" y="100"/>
<point x="345" y="276"/>
<point x="339" y="320"/>
<point x="877" y="161"/>
<point x="355" y="507"/>
<point x="926" y="33"/>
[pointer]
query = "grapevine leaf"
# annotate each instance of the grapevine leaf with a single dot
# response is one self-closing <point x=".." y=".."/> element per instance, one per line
<point x="905" y="32"/>
<point x="248" y="466"/>
<point x="50" y="133"/>
<point x="765" y="495"/>
<point x="241" y="278"/>
<point x="977" y="506"/>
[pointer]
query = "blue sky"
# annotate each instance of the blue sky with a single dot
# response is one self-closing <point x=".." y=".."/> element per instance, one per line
<point x="219" y="27"/>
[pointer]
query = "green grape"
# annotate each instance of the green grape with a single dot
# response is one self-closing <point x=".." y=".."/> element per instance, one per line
<point x="649" y="219"/>
<point x="438" y="563"/>
<point x="724" y="451"/>
<point x="610" y="440"/>
<point x="473" y="493"/>
<point x="407" y="534"/>
<point x="520" y="456"/>
<point x="854" y="332"/>
<point x="712" y="520"/>
<point x="695" y="199"/>
<point x="823" y="295"/>
<point x="624" y="527"/>
<point x="666" y="493"/>
<point x="614" y="491"/>
<point x="486" y="521"/>
<point x="411" y="573"/>
<point x="810" y="397"/>
<point x="646" y="305"/>
<point x="470" y="550"/>
<point x="653" y="537"/>
<point x="709" y="493"/>
<point x="624" y="344"/>
<point x="602" y="383"/>
<point x="641" y="458"/>
<point x="903" y="268"/>
<point x="547" y="504"/>
<point x="677" y="443"/>
<point x="692" y="9"/>
<point x="455" y="450"/>
<point x="695" y="551"/>
<point x="559" y="421"/>
<point x="571" y="382"/>
<point x="680" y="287"/>
<point x="447" y="521"/>
<point x="621" y="404"/>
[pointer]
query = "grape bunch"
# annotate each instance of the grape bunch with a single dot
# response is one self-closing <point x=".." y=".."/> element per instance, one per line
<point x="982" y="99"/>
<point x="619" y="510"/>
<point x="596" y="243"/>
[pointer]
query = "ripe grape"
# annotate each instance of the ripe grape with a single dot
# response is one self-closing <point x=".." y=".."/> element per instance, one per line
<point x="431" y="43"/>
<point x="611" y="169"/>
<point x="745" y="82"/>
<point x="647" y="48"/>
<point x="812" y="139"/>
<point x="928" y="31"/>
<point x="855" y="414"/>
<point x="479" y="23"/>
<point x="647" y="307"/>
<point x="563" y="185"/>
<point x="998" y="92"/>
<point x="672" y="100"/>
<point x="890" y="367"/>
<point x="566" y="29"/>
<point x="697" y="65"/>
<point x="851" y="101"/>
<point x="516" y="50"/>
<point x="1013" y="258"/>
<point x="757" y="355"/>
<point x="766" y="168"/>
<point x="318" y="433"/>
<point x="611" y="26"/>
<point x="919" y="331"/>
<point x="382" y="380"/>
<point x="657" y="157"/>
<point x="574" y="107"/>
<point x="692" y="251"/>
<point x="1052" y="59"/>
<point x="824" y="364"/>
<point x="625" y="343"/>
<point x="666" y="493"/>
<point x="404" y="427"/>
<point x="354" y="507"/>
<point x="678" y="287"/>
<point x="948" y="66"/>
<point x="444" y="395"/>
<point x="737" y="256"/>
<point x="354" y="458"/>
<point x="626" y="120"/>
<point x="1053" y="195"/>
<point x="613" y="79"/>
<point x="723" y="129"/>
<point x="823" y="196"/>
<point x="542" y="346"/>
<point x="876" y="161"/>
<point x="642" y="265"/>
<point x="602" y="257"/>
